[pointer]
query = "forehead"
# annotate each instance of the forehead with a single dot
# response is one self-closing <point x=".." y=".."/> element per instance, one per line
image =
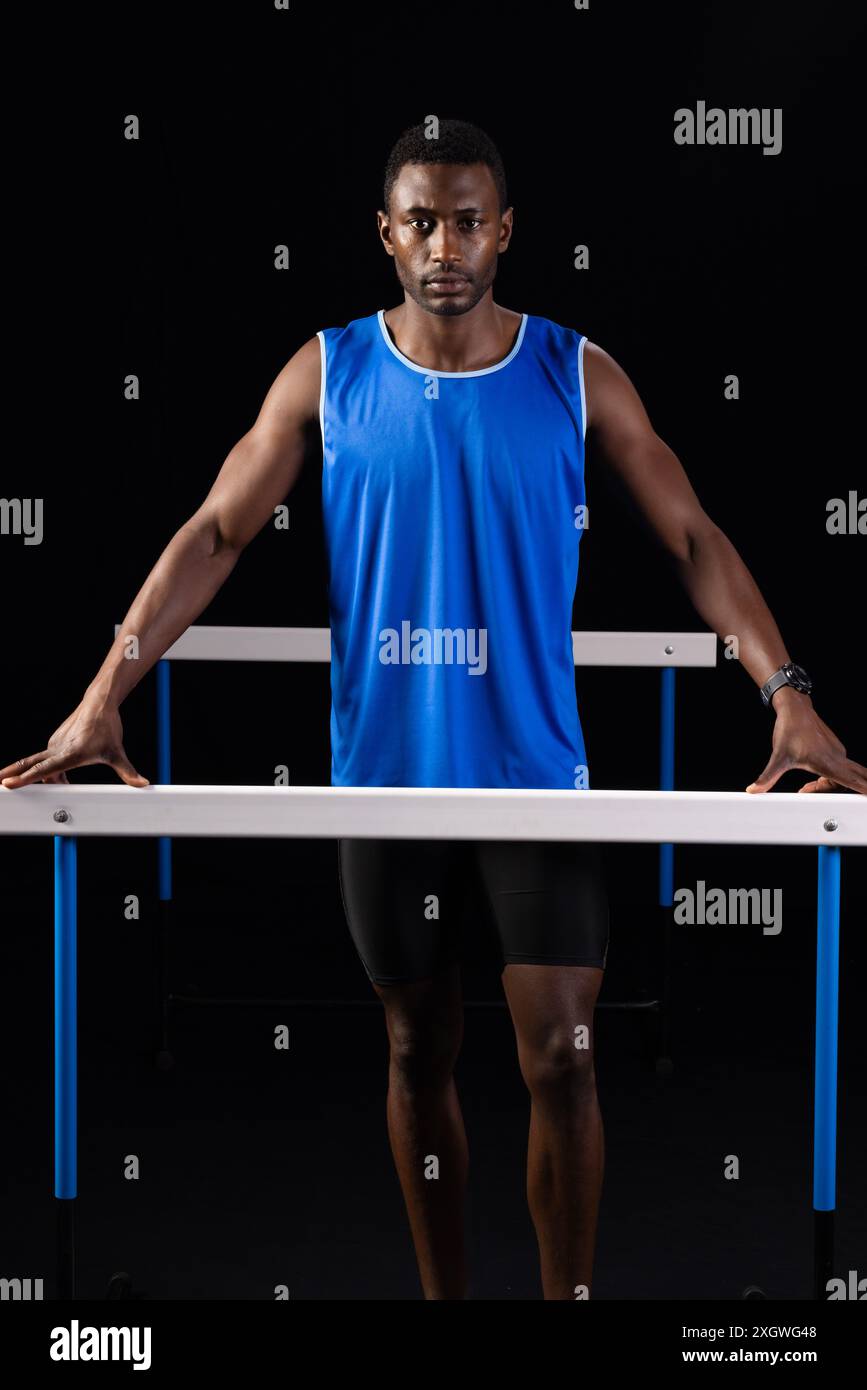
<point x="444" y="185"/>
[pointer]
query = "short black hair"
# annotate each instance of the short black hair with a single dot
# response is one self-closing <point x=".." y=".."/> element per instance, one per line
<point x="458" y="142"/>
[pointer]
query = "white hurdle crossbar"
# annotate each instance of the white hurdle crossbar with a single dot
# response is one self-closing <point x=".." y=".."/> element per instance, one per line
<point x="314" y="644"/>
<point x="66" y="812"/>
<point x="472" y="813"/>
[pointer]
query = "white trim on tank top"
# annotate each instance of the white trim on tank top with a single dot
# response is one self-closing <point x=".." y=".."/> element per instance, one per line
<point x="429" y="371"/>
<point x="581" y="381"/>
<point x="323" y="369"/>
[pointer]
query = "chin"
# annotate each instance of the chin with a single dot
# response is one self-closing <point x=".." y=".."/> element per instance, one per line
<point x="447" y="305"/>
<point x="448" y="309"/>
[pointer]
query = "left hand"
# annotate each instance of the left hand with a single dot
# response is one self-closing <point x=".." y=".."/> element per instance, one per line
<point x="802" y="739"/>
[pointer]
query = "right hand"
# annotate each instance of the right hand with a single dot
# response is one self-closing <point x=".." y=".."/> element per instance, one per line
<point x="92" y="734"/>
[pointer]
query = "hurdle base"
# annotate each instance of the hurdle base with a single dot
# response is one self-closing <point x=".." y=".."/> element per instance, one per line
<point x="119" y="1287"/>
<point x="65" y="1249"/>
<point x="823" y="1253"/>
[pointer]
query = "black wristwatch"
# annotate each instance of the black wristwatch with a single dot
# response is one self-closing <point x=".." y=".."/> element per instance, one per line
<point x="789" y="674"/>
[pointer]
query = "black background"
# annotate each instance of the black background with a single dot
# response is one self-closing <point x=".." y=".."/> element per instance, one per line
<point x="156" y="257"/>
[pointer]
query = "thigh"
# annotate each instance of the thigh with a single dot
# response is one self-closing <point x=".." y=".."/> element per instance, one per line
<point x="549" y="901"/>
<point x="401" y="899"/>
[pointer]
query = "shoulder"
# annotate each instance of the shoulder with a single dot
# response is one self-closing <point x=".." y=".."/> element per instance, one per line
<point x="555" y="337"/>
<point x="294" y="392"/>
<point x="601" y="368"/>
<point x="356" y="331"/>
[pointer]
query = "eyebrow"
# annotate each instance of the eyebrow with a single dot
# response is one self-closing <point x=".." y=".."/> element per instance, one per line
<point x="458" y="211"/>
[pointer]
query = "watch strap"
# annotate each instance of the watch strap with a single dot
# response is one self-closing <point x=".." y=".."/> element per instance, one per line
<point x="779" y="678"/>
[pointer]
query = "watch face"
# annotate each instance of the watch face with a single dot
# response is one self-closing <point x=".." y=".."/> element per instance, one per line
<point x="800" y="677"/>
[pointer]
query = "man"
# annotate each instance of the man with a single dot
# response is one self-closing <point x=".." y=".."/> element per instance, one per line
<point x="453" y="501"/>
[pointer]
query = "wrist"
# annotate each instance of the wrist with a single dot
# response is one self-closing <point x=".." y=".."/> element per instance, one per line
<point x="99" y="695"/>
<point x="790" y="676"/>
<point x="787" y="699"/>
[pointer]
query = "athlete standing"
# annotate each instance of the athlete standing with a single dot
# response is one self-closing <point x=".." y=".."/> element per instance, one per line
<point x="453" y="486"/>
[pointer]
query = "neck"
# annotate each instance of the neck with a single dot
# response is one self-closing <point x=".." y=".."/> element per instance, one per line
<point x="466" y="342"/>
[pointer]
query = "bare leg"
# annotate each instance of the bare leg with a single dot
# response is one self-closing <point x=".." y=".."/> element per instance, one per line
<point x="425" y="1125"/>
<point x="566" y="1152"/>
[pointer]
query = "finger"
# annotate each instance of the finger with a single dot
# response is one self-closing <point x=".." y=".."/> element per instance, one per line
<point x="59" y="777"/>
<point x="822" y="784"/>
<point x="772" y="773"/>
<point x="848" y="776"/>
<point x="858" y="777"/>
<point x="852" y="775"/>
<point x="127" y="773"/>
<point x="31" y="769"/>
<point x="15" y="770"/>
<point x="46" y="771"/>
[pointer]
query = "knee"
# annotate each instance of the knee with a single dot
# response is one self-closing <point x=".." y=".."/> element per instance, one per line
<point x="422" y="1058"/>
<point x="557" y="1070"/>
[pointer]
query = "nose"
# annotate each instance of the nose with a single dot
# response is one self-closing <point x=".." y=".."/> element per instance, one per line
<point x="445" y="247"/>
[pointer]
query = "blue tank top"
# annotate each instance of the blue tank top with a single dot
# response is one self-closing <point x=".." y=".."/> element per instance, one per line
<point x="453" y="506"/>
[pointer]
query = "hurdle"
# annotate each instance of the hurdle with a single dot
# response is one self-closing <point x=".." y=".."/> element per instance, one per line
<point x="664" y="650"/>
<point x="829" y="822"/>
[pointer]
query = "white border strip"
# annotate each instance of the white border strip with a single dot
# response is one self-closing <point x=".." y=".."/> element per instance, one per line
<point x="250" y="644"/>
<point x="581" y="347"/>
<point x="646" y="817"/>
<point x="429" y="371"/>
<point x="323" y="370"/>
<point x="644" y="648"/>
<point x="203" y="643"/>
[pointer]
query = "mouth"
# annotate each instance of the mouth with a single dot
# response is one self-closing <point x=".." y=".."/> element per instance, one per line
<point x="447" y="284"/>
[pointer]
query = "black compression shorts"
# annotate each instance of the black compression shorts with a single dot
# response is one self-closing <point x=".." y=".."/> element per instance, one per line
<point x="409" y="903"/>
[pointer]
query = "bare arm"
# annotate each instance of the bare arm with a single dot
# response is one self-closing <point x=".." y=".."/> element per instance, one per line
<point x="720" y="586"/>
<point x="718" y="583"/>
<point x="256" y="476"/>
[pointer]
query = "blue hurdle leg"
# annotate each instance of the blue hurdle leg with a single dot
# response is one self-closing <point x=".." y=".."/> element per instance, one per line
<point x="666" y="779"/>
<point x="164" y="862"/>
<point x="164" y="770"/>
<point x="666" y="870"/>
<point x="825" y="1096"/>
<point x="65" y="1060"/>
